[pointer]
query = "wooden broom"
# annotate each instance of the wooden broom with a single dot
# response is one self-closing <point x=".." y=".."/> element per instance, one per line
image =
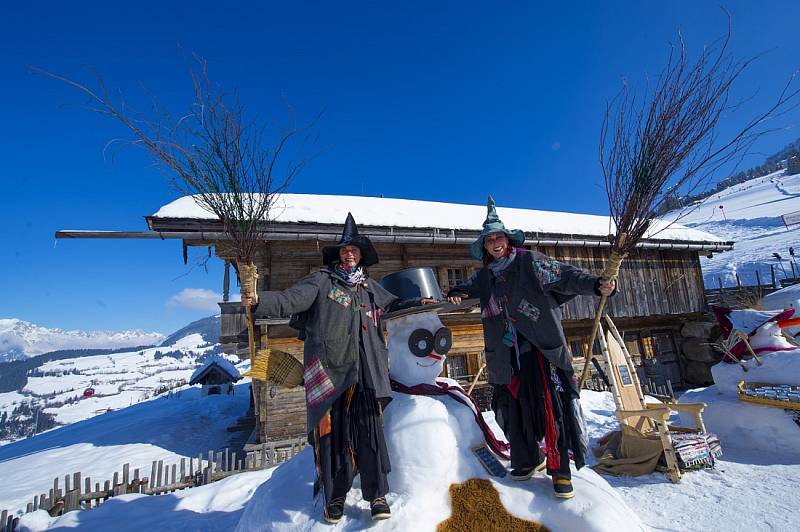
<point x="666" y="142"/>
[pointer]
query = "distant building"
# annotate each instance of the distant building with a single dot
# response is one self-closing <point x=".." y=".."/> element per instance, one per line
<point x="217" y="376"/>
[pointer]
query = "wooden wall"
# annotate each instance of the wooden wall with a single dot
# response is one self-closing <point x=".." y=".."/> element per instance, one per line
<point x="652" y="283"/>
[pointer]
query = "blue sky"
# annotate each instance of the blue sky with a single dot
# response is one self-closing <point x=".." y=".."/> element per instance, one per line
<point x="446" y="101"/>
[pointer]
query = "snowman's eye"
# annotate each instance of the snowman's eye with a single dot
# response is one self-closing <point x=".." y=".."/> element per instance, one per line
<point x="443" y="341"/>
<point x="421" y="342"/>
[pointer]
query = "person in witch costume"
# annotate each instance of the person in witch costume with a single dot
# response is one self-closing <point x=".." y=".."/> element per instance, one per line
<point x="535" y="392"/>
<point x="346" y="374"/>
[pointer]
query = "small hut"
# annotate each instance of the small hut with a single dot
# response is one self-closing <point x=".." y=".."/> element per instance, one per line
<point x="217" y="376"/>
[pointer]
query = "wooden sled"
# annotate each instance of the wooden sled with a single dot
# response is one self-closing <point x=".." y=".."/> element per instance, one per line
<point x="631" y="408"/>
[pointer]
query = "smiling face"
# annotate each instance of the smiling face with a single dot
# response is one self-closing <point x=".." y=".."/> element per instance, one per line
<point x="418" y="345"/>
<point x="496" y="244"/>
<point x="349" y="256"/>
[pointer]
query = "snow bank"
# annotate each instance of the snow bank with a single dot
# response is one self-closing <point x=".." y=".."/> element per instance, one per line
<point x="430" y="441"/>
<point x="215" y="506"/>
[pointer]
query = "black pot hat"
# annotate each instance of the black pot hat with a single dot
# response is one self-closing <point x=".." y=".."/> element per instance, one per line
<point x="350" y="237"/>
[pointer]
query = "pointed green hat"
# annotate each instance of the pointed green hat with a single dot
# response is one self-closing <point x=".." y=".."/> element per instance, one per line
<point x="492" y="224"/>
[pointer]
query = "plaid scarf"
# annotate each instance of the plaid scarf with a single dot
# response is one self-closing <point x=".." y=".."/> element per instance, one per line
<point x="351" y="276"/>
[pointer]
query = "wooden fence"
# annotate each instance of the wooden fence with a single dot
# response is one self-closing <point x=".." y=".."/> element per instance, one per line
<point x="78" y="493"/>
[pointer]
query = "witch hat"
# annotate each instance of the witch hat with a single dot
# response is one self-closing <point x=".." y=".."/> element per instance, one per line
<point x="492" y="224"/>
<point x="350" y="237"/>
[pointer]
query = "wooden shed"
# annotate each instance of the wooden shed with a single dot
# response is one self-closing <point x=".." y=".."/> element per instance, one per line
<point x="217" y="377"/>
<point x="660" y="285"/>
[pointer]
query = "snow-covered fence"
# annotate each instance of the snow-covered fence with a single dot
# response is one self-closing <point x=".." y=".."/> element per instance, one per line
<point x="77" y="493"/>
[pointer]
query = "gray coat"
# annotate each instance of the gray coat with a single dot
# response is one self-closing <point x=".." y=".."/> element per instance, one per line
<point x="338" y="316"/>
<point x="531" y="289"/>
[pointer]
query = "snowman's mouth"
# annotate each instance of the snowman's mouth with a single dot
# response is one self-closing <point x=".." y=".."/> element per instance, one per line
<point x="427" y="365"/>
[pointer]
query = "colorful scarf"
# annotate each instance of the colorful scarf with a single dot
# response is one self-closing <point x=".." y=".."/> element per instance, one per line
<point x="351" y="276"/>
<point x="498" y="265"/>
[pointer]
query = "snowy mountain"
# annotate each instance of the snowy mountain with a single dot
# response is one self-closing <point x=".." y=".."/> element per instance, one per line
<point x="750" y="215"/>
<point x="20" y="339"/>
<point x="53" y="392"/>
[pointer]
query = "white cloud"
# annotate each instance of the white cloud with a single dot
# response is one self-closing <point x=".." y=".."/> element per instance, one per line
<point x="201" y="299"/>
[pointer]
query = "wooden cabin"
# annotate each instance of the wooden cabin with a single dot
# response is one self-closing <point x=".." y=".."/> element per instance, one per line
<point x="660" y="285"/>
<point x="217" y="376"/>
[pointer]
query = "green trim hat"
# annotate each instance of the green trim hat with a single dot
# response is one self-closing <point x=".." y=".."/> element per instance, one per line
<point x="492" y="224"/>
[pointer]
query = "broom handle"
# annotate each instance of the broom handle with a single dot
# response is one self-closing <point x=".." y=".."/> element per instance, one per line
<point x="589" y="355"/>
<point x="610" y="272"/>
<point x="251" y="332"/>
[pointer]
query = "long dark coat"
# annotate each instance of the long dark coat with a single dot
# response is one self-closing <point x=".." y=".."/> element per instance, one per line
<point x="338" y="317"/>
<point x="531" y="289"/>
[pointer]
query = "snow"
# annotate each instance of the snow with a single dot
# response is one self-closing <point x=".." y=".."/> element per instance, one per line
<point x="220" y="362"/>
<point x="752" y="219"/>
<point x="393" y="212"/>
<point x="430" y="441"/>
<point x="215" y="506"/>
<point x="18" y="336"/>
<point x="166" y="428"/>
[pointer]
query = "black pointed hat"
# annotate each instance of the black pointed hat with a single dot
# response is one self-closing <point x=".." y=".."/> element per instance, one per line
<point x="350" y="237"/>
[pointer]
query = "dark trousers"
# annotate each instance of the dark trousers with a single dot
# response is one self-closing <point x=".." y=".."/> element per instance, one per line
<point x="522" y="415"/>
<point x="354" y="446"/>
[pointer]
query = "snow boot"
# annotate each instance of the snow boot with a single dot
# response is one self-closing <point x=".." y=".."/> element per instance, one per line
<point x="380" y="508"/>
<point x="524" y="473"/>
<point x="563" y="488"/>
<point x="334" y="510"/>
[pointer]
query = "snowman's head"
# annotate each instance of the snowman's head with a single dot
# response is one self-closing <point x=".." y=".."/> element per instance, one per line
<point x="418" y="345"/>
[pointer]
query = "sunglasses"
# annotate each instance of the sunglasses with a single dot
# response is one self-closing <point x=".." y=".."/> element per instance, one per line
<point x="423" y="343"/>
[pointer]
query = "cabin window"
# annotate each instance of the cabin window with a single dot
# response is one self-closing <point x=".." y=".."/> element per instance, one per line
<point x="576" y="347"/>
<point x="455" y="276"/>
<point x="457" y="366"/>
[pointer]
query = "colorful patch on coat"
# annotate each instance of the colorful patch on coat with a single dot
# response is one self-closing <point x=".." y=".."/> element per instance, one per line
<point x="528" y="310"/>
<point x="556" y="380"/>
<point x="548" y="271"/>
<point x="318" y="385"/>
<point x="340" y="296"/>
<point x="491" y="309"/>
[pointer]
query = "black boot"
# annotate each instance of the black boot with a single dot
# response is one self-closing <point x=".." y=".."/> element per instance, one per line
<point x="334" y="510"/>
<point x="380" y="508"/>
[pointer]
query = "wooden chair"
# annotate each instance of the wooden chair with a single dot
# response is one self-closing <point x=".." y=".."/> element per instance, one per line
<point x="631" y="408"/>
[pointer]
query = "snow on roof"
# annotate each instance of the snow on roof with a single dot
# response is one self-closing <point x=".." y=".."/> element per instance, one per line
<point x="221" y="363"/>
<point x="393" y="212"/>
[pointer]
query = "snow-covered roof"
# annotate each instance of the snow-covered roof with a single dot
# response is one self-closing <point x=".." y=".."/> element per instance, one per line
<point x="406" y="213"/>
<point x="219" y="362"/>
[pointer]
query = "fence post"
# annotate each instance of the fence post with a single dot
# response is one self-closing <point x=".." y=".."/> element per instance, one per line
<point x="772" y="271"/>
<point x="758" y="278"/>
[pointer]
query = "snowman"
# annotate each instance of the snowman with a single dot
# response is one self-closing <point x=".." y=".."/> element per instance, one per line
<point x="432" y="428"/>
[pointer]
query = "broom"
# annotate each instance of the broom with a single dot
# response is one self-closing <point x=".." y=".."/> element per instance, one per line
<point x="216" y="157"/>
<point x="666" y="142"/>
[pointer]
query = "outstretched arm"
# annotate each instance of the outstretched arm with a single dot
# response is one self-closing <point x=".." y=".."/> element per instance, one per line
<point x="297" y="298"/>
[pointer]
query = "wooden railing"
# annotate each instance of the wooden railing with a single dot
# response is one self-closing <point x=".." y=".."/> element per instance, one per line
<point x="78" y="493"/>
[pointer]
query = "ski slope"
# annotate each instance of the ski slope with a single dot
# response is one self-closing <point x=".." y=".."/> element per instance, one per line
<point x="751" y="217"/>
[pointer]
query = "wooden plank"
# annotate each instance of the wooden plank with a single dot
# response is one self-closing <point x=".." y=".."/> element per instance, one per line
<point x="183" y="468"/>
<point x="126" y="473"/>
<point x="159" y="474"/>
<point x="173" y="479"/>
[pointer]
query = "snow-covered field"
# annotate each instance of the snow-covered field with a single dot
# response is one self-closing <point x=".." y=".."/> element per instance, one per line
<point x="118" y="380"/>
<point x="754" y="485"/>
<point x="751" y="217"/>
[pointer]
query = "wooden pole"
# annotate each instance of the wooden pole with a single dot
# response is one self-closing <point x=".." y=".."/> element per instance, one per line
<point x="772" y="271"/>
<point x="475" y="380"/>
<point x="226" y="282"/>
